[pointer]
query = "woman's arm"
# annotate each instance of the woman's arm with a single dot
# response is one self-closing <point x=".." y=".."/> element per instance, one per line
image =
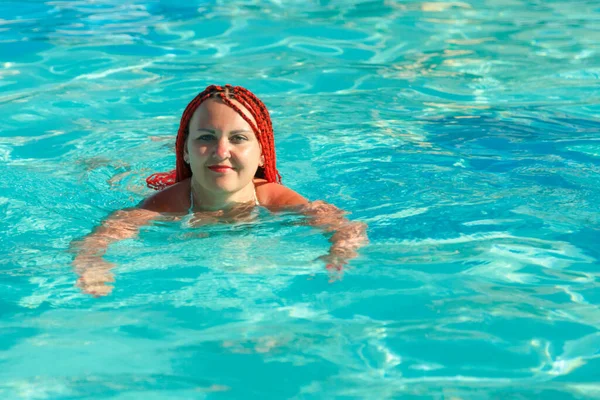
<point x="93" y="271"/>
<point x="348" y="236"/>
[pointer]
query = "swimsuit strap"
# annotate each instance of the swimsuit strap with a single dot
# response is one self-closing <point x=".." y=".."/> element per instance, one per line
<point x="191" y="210"/>
<point x="256" y="203"/>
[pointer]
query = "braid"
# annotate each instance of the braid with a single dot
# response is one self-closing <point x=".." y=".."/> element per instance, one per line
<point x="263" y="130"/>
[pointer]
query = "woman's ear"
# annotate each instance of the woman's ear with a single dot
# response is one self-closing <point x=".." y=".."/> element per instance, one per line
<point x="262" y="161"/>
<point x="186" y="156"/>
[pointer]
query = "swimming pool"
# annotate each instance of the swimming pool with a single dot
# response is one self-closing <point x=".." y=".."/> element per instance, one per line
<point x="465" y="134"/>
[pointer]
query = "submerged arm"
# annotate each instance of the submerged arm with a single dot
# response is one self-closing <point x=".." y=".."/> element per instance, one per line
<point x="348" y="236"/>
<point x="93" y="271"/>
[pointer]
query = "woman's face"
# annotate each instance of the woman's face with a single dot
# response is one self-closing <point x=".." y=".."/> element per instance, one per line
<point x="221" y="147"/>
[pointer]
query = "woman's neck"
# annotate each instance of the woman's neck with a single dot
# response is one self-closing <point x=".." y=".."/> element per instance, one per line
<point x="204" y="200"/>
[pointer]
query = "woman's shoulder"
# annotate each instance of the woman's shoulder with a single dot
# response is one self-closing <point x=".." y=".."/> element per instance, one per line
<point x="272" y="194"/>
<point x="173" y="199"/>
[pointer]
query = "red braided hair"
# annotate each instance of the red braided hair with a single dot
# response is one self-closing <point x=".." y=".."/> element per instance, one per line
<point x="263" y="130"/>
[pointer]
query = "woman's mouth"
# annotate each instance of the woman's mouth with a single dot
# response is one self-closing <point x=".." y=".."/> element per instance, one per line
<point x="220" y="168"/>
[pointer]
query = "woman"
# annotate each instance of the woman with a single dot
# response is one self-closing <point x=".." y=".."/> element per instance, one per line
<point x="225" y="166"/>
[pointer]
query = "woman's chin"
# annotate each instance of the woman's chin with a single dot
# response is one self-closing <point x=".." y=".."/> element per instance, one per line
<point x="222" y="186"/>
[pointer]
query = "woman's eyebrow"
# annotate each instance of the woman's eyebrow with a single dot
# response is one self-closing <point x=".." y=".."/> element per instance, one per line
<point x="232" y="132"/>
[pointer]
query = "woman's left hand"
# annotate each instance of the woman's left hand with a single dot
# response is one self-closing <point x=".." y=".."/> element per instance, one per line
<point x="94" y="275"/>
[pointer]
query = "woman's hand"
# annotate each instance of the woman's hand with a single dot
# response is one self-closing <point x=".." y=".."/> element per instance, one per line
<point x="93" y="271"/>
<point x="347" y="236"/>
<point x="94" y="275"/>
<point x="335" y="266"/>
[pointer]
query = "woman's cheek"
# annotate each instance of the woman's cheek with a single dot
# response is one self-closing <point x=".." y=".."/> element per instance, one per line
<point x="201" y="150"/>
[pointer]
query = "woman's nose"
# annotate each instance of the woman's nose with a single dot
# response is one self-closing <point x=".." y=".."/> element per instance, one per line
<point x="222" y="149"/>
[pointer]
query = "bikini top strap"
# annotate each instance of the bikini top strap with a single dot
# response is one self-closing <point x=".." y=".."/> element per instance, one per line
<point x="256" y="203"/>
<point x="191" y="210"/>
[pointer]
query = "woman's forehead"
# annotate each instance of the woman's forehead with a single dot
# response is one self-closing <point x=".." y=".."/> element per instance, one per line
<point x="215" y="111"/>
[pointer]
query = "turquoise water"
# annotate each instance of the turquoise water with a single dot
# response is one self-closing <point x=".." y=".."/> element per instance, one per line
<point x="465" y="134"/>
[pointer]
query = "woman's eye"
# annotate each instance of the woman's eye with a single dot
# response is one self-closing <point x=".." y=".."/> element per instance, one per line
<point x="205" y="137"/>
<point x="238" y="138"/>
